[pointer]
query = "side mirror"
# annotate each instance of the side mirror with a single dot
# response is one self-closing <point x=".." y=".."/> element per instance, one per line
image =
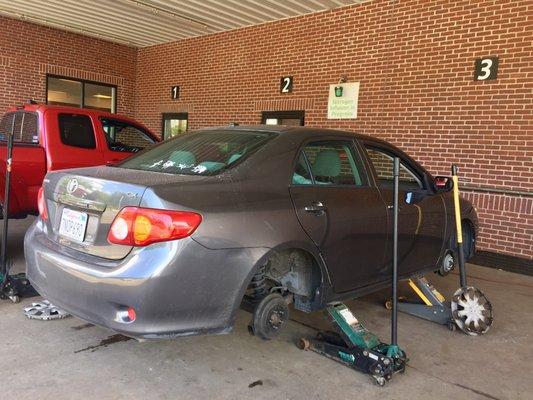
<point x="443" y="183"/>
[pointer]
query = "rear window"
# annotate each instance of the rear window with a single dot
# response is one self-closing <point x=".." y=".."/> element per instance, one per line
<point x="199" y="153"/>
<point x="24" y="125"/>
<point x="76" y="131"/>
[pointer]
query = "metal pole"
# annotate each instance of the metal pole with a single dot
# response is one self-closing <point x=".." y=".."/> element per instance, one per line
<point x="458" y="227"/>
<point x="394" y="317"/>
<point x="3" y="260"/>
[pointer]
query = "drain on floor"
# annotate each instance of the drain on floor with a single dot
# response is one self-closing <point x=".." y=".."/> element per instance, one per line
<point x="44" y="310"/>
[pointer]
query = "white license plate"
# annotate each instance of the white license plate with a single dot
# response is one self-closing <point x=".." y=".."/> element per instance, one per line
<point x="73" y="224"/>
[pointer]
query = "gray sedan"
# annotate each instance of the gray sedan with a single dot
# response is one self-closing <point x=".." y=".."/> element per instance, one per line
<point x="175" y="239"/>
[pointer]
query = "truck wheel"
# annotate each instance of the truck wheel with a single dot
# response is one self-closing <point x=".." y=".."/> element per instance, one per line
<point x="269" y="316"/>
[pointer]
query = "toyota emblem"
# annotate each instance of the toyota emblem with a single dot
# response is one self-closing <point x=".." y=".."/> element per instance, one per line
<point x="72" y="185"/>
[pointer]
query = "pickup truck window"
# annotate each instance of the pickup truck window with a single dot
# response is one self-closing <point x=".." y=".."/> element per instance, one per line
<point x="77" y="131"/>
<point x="25" y="130"/>
<point x="124" y="137"/>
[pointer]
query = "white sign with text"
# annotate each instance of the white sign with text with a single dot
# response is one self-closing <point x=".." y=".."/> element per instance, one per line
<point x="345" y="105"/>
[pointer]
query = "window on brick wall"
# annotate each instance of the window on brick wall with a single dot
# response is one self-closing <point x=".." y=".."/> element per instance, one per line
<point x="174" y="124"/>
<point x="78" y="93"/>
<point x="291" y="118"/>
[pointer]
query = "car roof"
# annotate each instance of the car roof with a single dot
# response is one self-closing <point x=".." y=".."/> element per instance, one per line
<point x="301" y="131"/>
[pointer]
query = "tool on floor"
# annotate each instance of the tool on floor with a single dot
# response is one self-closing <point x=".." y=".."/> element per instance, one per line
<point x="352" y="344"/>
<point x="469" y="309"/>
<point x="11" y="286"/>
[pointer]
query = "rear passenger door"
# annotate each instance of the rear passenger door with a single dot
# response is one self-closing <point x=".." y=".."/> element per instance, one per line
<point x="71" y="141"/>
<point x="341" y="212"/>
<point x="422" y="222"/>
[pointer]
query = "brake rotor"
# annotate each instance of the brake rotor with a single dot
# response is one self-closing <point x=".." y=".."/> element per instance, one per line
<point x="471" y="311"/>
<point x="44" y="310"/>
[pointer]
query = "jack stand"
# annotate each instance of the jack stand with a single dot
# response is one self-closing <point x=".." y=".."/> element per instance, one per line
<point x="356" y="347"/>
<point x="434" y="308"/>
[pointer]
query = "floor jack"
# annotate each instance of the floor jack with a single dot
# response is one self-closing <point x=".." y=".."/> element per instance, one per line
<point x="469" y="309"/>
<point x="352" y="344"/>
<point x="11" y="286"/>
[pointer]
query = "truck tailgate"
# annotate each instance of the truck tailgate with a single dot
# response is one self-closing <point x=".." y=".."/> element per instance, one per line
<point x="27" y="173"/>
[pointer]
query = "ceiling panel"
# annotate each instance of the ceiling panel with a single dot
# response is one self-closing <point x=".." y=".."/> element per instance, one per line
<point x="143" y="23"/>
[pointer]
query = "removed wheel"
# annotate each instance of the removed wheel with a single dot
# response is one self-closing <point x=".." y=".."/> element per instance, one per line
<point x="471" y="311"/>
<point x="269" y="316"/>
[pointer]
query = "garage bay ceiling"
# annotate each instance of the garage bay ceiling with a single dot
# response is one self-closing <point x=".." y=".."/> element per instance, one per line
<point x="143" y="23"/>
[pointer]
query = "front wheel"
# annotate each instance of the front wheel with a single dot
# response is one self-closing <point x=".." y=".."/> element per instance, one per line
<point x="269" y="316"/>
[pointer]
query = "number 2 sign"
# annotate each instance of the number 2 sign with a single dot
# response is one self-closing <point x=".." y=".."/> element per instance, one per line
<point x="285" y="84"/>
<point x="486" y="69"/>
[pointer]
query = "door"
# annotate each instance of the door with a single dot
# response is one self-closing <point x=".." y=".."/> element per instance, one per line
<point x="174" y="124"/>
<point x="290" y="118"/>
<point x="421" y="217"/>
<point x="344" y="216"/>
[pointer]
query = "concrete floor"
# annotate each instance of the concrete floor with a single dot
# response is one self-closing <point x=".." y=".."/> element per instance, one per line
<point x="69" y="359"/>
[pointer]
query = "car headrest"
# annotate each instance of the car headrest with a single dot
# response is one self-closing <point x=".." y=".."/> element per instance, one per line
<point x="234" y="157"/>
<point x="182" y="157"/>
<point x="327" y="163"/>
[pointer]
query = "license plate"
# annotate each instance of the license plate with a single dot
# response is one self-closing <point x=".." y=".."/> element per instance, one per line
<point x="73" y="224"/>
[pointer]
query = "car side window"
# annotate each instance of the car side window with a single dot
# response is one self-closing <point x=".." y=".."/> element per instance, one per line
<point x="383" y="165"/>
<point x="124" y="137"/>
<point x="76" y="131"/>
<point x="332" y="162"/>
<point x="302" y="174"/>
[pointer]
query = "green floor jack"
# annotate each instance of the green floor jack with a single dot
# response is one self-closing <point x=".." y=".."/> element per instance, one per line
<point x="352" y="344"/>
<point x="469" y="309"/>
<point x="12" y="287"/>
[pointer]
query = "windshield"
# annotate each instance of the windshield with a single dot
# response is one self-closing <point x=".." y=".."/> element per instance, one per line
<point x="199" y="153"/>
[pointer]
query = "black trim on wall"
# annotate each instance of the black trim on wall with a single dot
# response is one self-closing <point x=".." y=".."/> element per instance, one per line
<point x="503" y="262"/>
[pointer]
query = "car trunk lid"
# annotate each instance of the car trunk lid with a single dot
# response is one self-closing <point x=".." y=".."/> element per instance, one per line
<point x="82" y="204"/>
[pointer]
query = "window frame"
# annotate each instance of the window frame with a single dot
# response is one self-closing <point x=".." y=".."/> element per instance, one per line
<point x="291" y="114"/>
<point x="143" y="131"/>
<point x="168" y="116"/>
<point x="365" y="177"/>
<point x="83" y="82"/>
<point x="408" y="162"/>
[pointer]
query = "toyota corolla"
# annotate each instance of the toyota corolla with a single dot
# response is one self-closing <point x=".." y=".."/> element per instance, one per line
<point x="175" y="239"/>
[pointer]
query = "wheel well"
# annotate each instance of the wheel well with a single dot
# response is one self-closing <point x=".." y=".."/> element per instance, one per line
<point x="295" y="270"/>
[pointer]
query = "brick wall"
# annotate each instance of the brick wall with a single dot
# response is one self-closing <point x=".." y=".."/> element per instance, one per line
<point x="28" y="52"/>
<point x="414" y="59"/>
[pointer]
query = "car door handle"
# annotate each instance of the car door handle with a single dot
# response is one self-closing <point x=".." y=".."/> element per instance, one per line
<point x="316" y="207"/>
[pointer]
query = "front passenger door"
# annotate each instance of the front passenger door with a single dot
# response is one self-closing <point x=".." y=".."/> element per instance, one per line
<point x="341" y="212"/>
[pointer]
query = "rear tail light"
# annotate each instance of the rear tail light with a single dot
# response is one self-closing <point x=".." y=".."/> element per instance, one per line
<point x="41" y="204"/>
<point x="136" y="226"/>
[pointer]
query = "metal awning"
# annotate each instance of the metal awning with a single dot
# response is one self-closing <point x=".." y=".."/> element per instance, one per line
<point x="143" y="23"/>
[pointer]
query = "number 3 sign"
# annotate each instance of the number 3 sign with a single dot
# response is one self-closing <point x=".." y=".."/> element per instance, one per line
<point x="486" y="69"/>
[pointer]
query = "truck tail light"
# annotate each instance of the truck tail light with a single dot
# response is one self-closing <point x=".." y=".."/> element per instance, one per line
<point x="41" y="204"/>
<point x="137" y="226"/>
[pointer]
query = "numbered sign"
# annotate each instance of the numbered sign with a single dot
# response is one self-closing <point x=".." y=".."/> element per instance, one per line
<point x="175" y="93"/>
<point x="486" y="69"/>
<point x="285" y="85"/>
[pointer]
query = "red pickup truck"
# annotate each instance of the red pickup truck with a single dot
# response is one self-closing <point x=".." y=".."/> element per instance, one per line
<point x="48" y="138"/>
